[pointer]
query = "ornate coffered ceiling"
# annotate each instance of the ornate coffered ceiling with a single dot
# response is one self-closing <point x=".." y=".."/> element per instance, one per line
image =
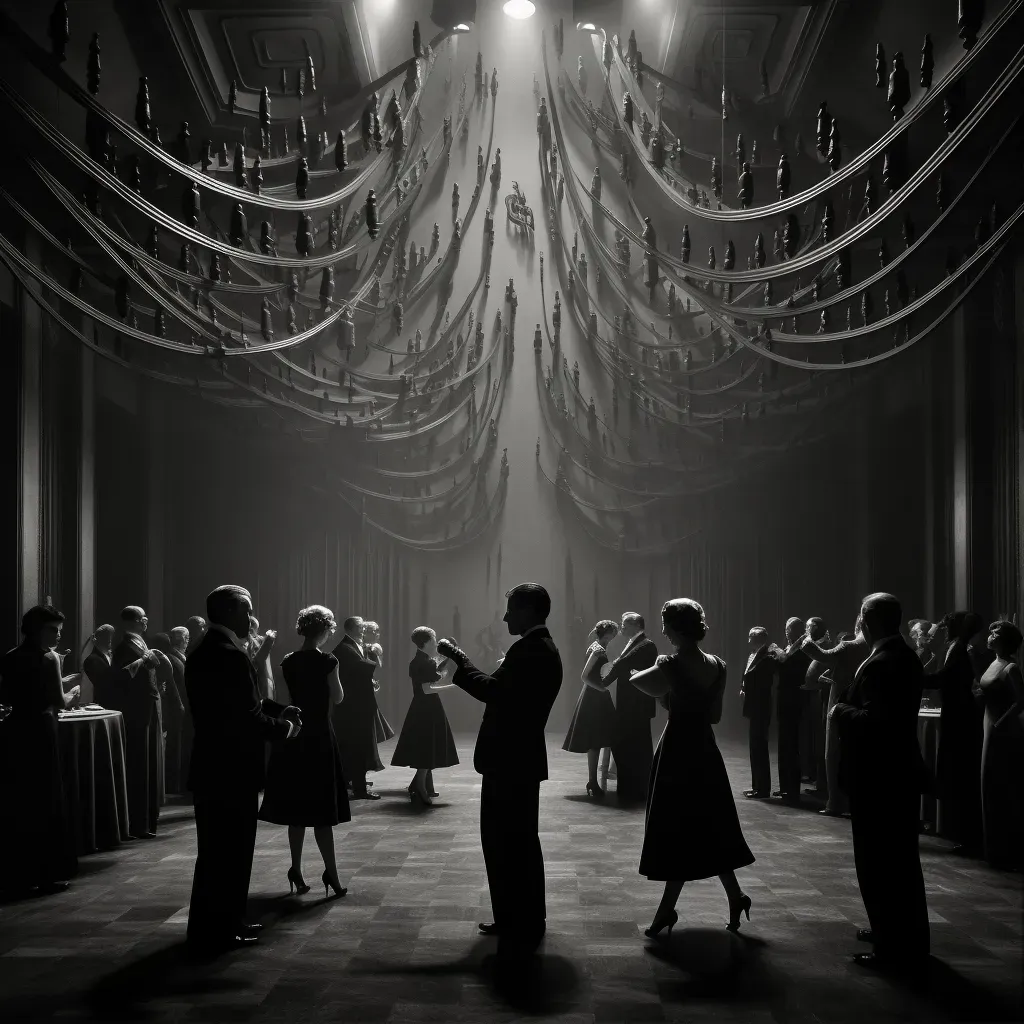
<point x="251" y="43"/>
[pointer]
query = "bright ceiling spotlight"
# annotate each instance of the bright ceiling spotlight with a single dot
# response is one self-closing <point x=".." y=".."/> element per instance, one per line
<point x="519" y="9"/>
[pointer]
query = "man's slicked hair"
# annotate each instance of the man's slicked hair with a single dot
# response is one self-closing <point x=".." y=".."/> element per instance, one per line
<point x="351" y="622"/>
<point x="882" y="614"/>
<point x="220" y="603"/>
<point x="633" y="619"/>
<point x="532" y="596"/>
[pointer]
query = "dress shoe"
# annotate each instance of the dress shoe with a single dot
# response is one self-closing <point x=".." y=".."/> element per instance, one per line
<point x="250" y="929"/>
<point x="891" y="964"/>
<point x="755" y="794"/>
<point x="489" y="929"/>
<point x="366" y="795"/>
<point x="865" y="935"/>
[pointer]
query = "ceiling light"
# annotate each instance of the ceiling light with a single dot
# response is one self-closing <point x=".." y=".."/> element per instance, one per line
<point x="587" y="26"/>
<point x="519" y="9"/>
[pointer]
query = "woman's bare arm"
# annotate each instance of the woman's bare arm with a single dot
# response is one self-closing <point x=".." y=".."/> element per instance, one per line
<point x="1013" y="674"/>
<point x="651" y="681"/>
<point x="53" y="685"/>
<point x="334" y="685"/>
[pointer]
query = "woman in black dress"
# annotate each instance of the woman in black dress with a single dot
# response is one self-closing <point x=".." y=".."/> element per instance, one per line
<point x="593" y="721"/>
<point x="691" y="830"/>
<point x="1002" y="753"/>
<point x="425" y="741"/>
<point x="373" y="649"/>
<point x="38" y="850"/>
<point x="305" y="783"/>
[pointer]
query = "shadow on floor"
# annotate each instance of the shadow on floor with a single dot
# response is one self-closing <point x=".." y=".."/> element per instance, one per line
<point x="543" y="984"/>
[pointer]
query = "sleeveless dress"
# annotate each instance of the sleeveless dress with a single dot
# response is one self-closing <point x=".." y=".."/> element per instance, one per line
<point x="305" y="783"/>
<point x="39" y="841"/>
<point x="426" y="738"/>
<point x="593" y="723"/>
<point x="691" y="829"/>
<point x="382" y="727"/>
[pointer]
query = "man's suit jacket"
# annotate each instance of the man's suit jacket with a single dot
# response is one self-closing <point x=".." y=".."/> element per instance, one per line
<point x="133" y="682"/>
<point x="758" y="677"/>
<point x="230" y="722"/>
<point x="878" y="722"/>
<point x="97" y="668"/>
<point x="792" y="670"/>
<point x="631" y="704"/>
<point x="356" y="673"/>
<point x="518" y="700"/>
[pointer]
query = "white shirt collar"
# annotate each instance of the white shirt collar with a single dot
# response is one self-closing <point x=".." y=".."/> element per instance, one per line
<point x="231" y="635"/>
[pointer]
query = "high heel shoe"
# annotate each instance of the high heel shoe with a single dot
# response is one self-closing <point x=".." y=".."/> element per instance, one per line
<point x="329" y="885"/>
<point x="295" y="882"/>
<point x="594" y="790"/>
<point x="656" y="926"/>
<point x="740" y="907"/>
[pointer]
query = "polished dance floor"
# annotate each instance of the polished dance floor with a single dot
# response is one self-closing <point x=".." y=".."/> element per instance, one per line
<point x="403" y="946"/>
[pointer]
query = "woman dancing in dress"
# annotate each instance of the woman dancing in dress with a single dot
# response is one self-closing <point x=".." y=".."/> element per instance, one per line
<point x="373" y="649"/>
<point x="305" y="783"/>
<point x="425" y="741"/>
<point x="593" y="721"/>
<point x="691" y="829"/>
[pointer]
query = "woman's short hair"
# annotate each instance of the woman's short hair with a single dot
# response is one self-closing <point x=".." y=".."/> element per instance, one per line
<point x="605" y="627"/>
<point x="685" y="617"/>
<point x="180" y="635"/>
<point x="422" y="635"/>
<point x="38" y="617"/>
<point x="371" y="625"/>
<point x="1008" y="633"/>
<point x="314" y="620"/>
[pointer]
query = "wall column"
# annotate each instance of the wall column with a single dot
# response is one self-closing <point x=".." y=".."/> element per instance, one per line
<point x="30" y="444"/>
<point x="961" y="468"/>
<point x="86" y="576"/>
<point x="152" y="415"/>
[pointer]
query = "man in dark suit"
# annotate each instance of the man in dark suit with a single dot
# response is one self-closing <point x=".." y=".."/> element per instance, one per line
<point x="793" y="665"/>
<point x="511" y="755"/>
<point x="226" y="773"/>
<point x="96" y="666"/>
<point x="355" y="723"/>
<point x="882" y="772"/>
<point x="756" y="691"/>
<point x="634" y="749"/>
<point x="136" y="693"/>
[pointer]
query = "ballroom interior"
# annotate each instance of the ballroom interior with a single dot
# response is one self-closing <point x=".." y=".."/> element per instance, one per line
<point x="261" y="268"/>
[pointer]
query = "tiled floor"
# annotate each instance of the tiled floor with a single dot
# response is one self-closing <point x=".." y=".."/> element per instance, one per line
<point x="402" y="946"/>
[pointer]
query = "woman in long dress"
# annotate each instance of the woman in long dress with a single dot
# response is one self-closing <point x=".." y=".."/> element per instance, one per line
<point x="1002" y="755"/>
<point x="305" y="783"/>
<point x="426" y="740"/>
<point x="593" y="721"/>
<point x="38" y="849"/>
<point x="373" y="649"/>
<point x="691" y="829"/>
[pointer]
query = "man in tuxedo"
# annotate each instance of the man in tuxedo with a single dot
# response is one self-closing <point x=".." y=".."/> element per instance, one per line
<point x="793" y="665"/>
<point x="756" y="692"/>
<point x="634" y="749"/>
<point x="96" y="665"/>
<point x="882" y="772"/>
<point x="511" y="755"/>
<point x="815" y="711"/>
<point x="231" y="726"/>
<point x="355" y="723"/>
<point x="137" y="696"/>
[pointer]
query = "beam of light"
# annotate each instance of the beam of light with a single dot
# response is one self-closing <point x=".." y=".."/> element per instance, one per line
<point x="519" y="9"/>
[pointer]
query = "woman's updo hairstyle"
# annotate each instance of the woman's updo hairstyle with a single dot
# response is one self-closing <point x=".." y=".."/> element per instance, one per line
<point x="421" y="636"/>
<point x="604" y="628"/>
<point x="685" y="618"/>
<point x="314" y="620"/>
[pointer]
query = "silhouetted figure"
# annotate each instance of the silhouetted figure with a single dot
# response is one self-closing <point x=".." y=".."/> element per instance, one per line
<point x="511" y="756"/>
<point x="1002" y="757"/>
<point x="305" y="780"/>
<point x="692" y="830"/>
<point x="227" y="772"/>
<point x="634" y="748"/>
<point x="756" y="692"/>
<point x="792" y="670"/>
<point x="38" y="848"/>
<point x="593" y="723"/>
<point x="882" y="772"/>
<point x="356" y="722"/>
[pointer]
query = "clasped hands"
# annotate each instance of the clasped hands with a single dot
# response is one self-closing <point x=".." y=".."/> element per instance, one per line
<point x="293" y="716"/>
<point x="451" y="650"/>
